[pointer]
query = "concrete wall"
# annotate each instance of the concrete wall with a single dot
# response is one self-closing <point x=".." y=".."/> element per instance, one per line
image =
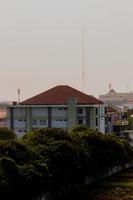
<point x="92" y="118"/>
<point x="22" y="119"/>
<point x="72" y="113"/>
<point x="59" y="117"/>
<point x="102" y="119"/>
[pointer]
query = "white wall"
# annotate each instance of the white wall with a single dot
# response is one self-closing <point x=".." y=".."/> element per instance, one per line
<point x="39" y="112"/>
<point x="59" y="118"/>
<point x="19" y="112"/>
<point x="102" y="119"/>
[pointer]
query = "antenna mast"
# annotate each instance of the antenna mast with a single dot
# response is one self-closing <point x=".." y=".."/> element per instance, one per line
<point x="18" y="91"/>
<point x="83" y="58"/>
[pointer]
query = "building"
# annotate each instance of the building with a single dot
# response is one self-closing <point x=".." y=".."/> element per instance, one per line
<point x="61" y="106"/>
<point x="3" y="117"/>
<point x="117" y="120"/>
<point x="115" y="98"/>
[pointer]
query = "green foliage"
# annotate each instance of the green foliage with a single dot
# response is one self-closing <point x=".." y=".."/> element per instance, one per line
<point x="82" y="130"/>
<point x="34" y="175"/>
<point x="7" y="134"/>
<point x="79" y="128"/>
<point x="64" y="163"/>
<point x="8" y="176"/>
<point x="51" y="159"/>
<point x="130" y="120"/>
<point x="44" y="136"/>
<point x="15" y="150"/>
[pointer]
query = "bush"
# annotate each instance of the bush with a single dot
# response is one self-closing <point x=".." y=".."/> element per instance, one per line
<point x="7" y="134"/>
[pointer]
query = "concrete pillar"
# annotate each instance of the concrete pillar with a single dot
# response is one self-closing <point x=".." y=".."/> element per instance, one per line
<point x="49" y="117"/>
<point x="28" y="119"/>
<point x="72" y="114"/>
<point x="102" y="119"/>
<point x="92" y="118"/>
<point x="12" y="118"/>
<point x="87" y="113"/>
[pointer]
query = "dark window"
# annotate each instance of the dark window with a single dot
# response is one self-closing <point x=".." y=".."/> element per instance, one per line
<point x="96" y="111"/>
<point x="96" y="121"/>
<point x="106" y="120"/>
<point x="34" y="122"/>
<point x="62" y="108"/>
<point x="106" y="129"/>
<point x="80" y="111"/>
<point x="80" y="121"/>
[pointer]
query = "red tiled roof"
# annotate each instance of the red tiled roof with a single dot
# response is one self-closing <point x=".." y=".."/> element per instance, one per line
<point x="59" y="95"/>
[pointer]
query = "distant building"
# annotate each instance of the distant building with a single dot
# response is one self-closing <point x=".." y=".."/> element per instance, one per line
<point x="117" y="120"/>
<point x="61" y="106"/>
<point x="3" y="117"/>
<point x="116" y="99"/>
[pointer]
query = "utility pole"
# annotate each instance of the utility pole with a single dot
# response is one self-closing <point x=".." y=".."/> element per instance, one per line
<point x="83" y="58"/>
<point x="18" y="91"/>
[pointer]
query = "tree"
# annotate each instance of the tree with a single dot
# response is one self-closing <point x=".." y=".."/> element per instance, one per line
<point x="7" y="134"/>
<point x="54" y="161"/>
<point x="80" y="128"/>
<point x="44" y="136"/>
<point x="16" y="151"/>
<point x="9" y="177"/>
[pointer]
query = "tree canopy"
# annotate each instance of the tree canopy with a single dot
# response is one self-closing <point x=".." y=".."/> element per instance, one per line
<point x="54" y="161"/>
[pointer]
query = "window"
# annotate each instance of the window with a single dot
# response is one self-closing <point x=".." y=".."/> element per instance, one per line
<point x="34" y="122"/>
<point x="42" y="122"/>
<point x="80" y="121"/>
<point x="80" y="111"/>
<point x="21" y="120"/>
<point x="65" y="108"/>
<point x="106" y="120"/>
<point x="106" y="129"/>
<point x="60" y="108"/>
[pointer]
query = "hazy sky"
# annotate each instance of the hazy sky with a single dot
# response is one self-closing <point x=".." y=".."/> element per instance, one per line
<point x="41" y="45"/>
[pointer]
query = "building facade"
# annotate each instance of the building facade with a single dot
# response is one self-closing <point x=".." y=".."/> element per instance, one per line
<point x="3" y="118"/>
<point x="60" y="107"/>
<point x="115" y="98"/>
<point x="117" y="120"/>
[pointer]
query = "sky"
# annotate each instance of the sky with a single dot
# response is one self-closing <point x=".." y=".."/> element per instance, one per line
<point x="41" y="46"/>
